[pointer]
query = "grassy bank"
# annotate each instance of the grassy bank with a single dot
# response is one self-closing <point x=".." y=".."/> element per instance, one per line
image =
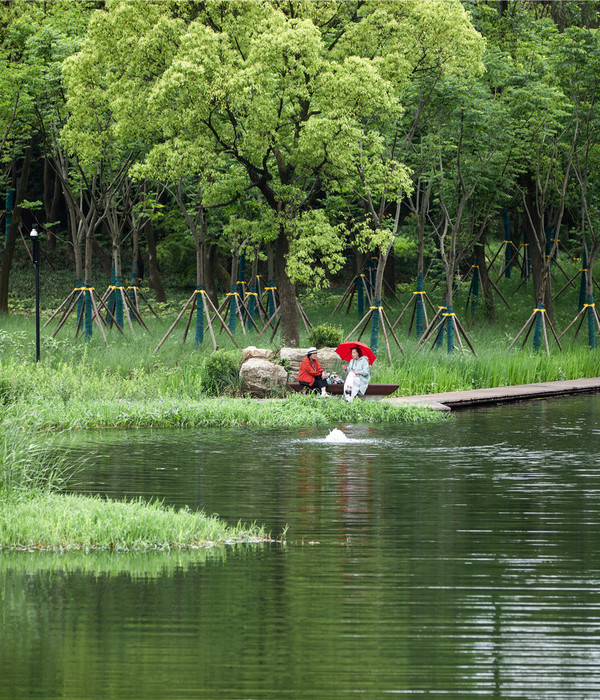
<point x="34" y="515"/>
<point x="295" y="411"/>
<point x="129" y="369"/>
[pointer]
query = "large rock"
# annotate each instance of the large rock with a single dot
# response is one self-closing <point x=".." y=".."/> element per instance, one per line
<point x="261" y="377"/>
<point x="294" y="357"/>
<point x="252" y="351"/>
<point x="328" y="359"/>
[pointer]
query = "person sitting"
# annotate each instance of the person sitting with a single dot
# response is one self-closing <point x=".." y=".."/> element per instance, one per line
<point x="311" y="374"/>
<point x="359" y="375"/>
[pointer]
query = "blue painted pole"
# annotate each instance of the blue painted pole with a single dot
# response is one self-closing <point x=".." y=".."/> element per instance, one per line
<point x="440" y="339"/>
<point x="450" y="329"/>
<point x="80" y="300"/>
<point x="88" y="313"/>
<point x="199" y="316"/>
<point x="132" y="296"/>
<point x="537" y="334"/>
<point x="375" y="326"/>
<point x="110" y="302"/>
<point x="420" y="321"/>
<point x="591" y="321"/>
<point x="582" y="284"/>
<point x="118" y="301"/>
<point x="232" y="307"/>
<point x="252" y="305"/>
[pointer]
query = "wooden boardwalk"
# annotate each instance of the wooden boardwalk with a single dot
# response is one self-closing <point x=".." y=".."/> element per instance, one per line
<point x="456" y="400"/>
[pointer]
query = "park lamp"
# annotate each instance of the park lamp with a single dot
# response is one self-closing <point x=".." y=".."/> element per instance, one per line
<point x="35" y="242"/>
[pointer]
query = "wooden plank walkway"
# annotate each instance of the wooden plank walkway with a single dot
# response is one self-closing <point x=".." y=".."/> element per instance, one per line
<point x="456" y="400"/>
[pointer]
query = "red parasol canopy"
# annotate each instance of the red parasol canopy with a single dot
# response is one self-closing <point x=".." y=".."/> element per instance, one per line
<point x="344" y="350"/>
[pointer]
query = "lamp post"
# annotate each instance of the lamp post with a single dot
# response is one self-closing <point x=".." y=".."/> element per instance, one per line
<point x="35" y="241"/>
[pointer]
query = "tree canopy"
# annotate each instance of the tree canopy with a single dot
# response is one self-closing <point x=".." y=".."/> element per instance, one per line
<point x="307" y="128"/>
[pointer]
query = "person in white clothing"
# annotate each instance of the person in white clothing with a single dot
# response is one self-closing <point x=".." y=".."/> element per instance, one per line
<point x="359" y="375"/>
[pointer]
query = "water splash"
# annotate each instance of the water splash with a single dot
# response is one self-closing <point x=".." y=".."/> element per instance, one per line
<point x="336" y="436"/>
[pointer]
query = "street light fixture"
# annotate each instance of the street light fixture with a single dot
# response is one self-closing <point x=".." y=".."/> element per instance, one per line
<point x="35" y="241"/>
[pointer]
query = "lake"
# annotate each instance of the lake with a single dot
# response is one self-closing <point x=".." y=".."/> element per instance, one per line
<point x="458" y="559"/>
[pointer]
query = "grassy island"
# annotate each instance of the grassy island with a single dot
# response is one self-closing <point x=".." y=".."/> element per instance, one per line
<point x="34" y="515"/>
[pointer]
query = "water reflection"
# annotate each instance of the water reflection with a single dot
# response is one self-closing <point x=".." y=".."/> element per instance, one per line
<point x="457" y="559"/>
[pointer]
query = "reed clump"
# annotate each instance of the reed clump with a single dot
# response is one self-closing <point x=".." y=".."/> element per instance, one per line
<point x="35" y="515"/>
<point x="72" y="522"/>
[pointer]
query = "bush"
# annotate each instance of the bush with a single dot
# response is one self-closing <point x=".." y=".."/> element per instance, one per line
<point x="220" y="373"/>
<point x="325" y="336"/>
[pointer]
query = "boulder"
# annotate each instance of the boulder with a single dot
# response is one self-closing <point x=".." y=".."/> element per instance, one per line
<point x="329" y="359"/>
<point x="260" y="377"/>
<point x="294" y="356"/>
<point x="252" y="351"/>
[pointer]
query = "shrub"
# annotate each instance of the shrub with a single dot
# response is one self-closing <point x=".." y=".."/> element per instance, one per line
<point x="325" y="335"/>
<point x="220" y="373"/>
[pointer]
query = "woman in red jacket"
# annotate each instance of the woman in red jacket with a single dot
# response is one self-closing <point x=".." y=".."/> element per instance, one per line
<point x="311" y="374"/>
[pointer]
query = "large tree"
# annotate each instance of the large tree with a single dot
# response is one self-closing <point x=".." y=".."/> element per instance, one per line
<point x="285" y="90"/>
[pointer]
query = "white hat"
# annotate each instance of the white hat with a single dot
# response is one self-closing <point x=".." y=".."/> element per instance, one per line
<point x="310" y="351"/>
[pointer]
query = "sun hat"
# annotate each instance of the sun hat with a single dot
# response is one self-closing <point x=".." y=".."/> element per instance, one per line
<point x="311" y="351"/>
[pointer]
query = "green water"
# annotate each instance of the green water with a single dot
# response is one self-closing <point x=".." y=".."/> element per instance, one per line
<point x="459" y="559"/>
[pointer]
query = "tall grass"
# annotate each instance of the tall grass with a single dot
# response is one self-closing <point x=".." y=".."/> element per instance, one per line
<point x="76" y="372"/>
<point x="27" y="464"/>
<point x="33" y="515"/>
<point x="295" y="411"/>
<point x="73" y="522"/>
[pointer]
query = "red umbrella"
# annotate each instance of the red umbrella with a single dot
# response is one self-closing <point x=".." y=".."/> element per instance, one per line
<point x="344" y="350"/>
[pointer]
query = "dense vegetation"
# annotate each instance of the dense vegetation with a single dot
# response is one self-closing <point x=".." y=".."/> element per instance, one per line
<point x="216" y="141"/>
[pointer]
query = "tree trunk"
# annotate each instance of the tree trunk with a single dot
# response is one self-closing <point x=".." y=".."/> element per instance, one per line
<point x="13" y="230"/>
<point x="540" y="268"/>
<point x="290" y="333"/>
<point x="52" y="195"/>
<point x="135" y="255"/>
<point x="155" y="281"/>
<point x="103" y="257"/>
<point x="115" y="243"/>
<point x="389" y="274"/>
<point x="235" y="262"/>
<point x="76" y="237"/>
<point x="486" y="285"/>
<point x="380" y="274"/>
<point x="89" y="250"/>
<point x="210" y="264"/>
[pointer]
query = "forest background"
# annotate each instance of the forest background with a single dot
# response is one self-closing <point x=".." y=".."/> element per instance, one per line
<point x="218" y="144"/>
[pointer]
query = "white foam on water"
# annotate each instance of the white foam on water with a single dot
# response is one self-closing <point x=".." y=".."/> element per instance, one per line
<point x="336" y="436"/>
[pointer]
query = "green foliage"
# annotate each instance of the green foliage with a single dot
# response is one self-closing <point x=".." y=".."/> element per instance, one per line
<point x="69" y="522"/>
<point x="326" y="335"/>
<point x="269" y="99"/>
<point x="220" y="373"/>
<point x="176" y="254"/>
<point x="26" y="463"/>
